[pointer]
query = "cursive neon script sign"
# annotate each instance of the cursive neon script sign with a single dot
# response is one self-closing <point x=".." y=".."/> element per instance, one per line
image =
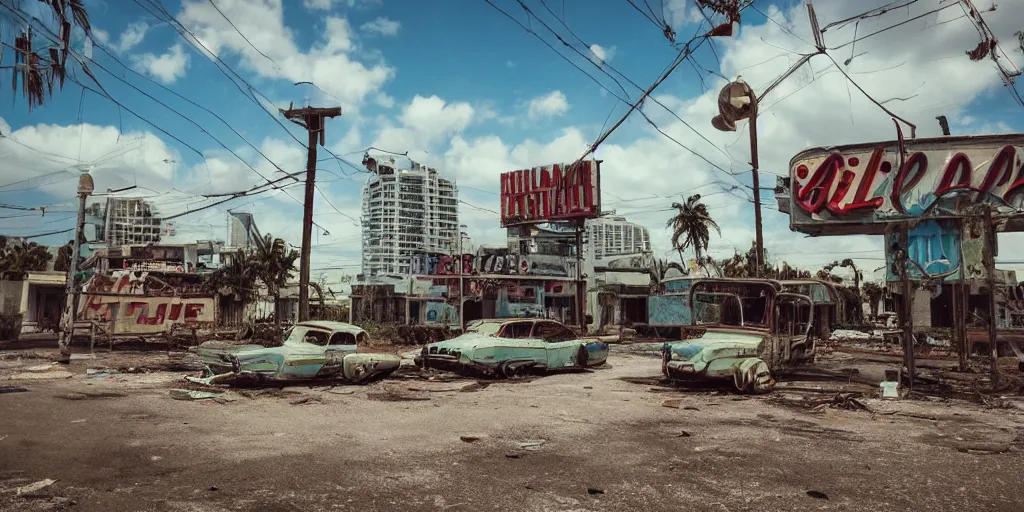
<point x="875" y="185"/>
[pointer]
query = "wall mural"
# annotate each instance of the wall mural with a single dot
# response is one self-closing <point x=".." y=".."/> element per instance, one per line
<point x="117" y="301"/>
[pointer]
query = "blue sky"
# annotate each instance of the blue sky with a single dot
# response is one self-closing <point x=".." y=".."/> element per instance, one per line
<point x="462" y="87"/>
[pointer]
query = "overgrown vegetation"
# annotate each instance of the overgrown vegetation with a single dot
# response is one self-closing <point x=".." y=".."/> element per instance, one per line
<point x="17" y="258"/>
<point x="401" y="334"/>
<point x="10" y="326"/>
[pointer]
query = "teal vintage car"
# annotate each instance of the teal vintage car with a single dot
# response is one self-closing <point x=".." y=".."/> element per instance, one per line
<point x="508" y="347"/>
<point x="744" y="330"/>
<point x="310" y="351"/>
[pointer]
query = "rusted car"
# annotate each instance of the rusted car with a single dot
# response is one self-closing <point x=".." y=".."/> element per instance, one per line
<point x="310" y="351"/>
<point x="746" y="330"/>
<point x="508" y="347"/>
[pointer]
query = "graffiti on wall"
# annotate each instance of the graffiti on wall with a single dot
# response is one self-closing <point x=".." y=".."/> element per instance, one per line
<point x="117" y="300"/>
<point x="872" y="185"/>
<point x="934" y="245"/>
<point x="550" y="193"/>
<point x="440" y="264"/>
<point x="439" y="313"/>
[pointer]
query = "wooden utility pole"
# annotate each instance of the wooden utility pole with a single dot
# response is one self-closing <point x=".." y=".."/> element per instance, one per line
<point x="989" y="260"/>
<point x="908" y="304"/>
<point x="312" y="119"/>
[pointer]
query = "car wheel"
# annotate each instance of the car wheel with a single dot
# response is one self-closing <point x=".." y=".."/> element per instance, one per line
<point x="582" y="357"/>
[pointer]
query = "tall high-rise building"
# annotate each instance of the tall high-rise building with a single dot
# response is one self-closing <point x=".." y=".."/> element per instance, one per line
<point x="242" y="231"/>
<point x="406" y="212"/>
<point x="124" y="221"/>
<point x="615" y="236"/>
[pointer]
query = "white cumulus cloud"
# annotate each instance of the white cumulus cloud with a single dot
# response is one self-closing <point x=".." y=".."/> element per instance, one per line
<point x="549" y="105"/>
<point x="167" y="67"/>
<point x="381" y="26"/>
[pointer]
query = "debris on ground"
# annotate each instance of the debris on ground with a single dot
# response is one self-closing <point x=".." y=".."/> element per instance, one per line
<point x="34" y="487"/>
<point x="47" y="375"/>
<point x="532" y="444"/>
<point x="12" y="389"/>
<point x="594" y="490"/>
<point x="88" y="395"/>
<point x="40" y="367"/>
<point x="469" y="439"/>
<point x="672" y="403"/>
<point x="192" y="394"/>
<point x="817" y="495"/>
<point x="307" y="399"/>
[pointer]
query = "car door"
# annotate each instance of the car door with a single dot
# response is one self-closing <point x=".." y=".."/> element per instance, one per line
<point x="793" y="322"/>
<point x="305" y="359"/>
<point x="560" y="343"/>
<point x="515" y="342"/>
<point x="338" y="346"/>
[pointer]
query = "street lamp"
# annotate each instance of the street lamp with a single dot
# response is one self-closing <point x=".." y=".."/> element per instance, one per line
<point x="736" y="102"/>
<point x="85" y="188"/>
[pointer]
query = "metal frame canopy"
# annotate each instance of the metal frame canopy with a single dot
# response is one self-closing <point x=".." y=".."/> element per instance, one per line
<point x="862" y="188"/>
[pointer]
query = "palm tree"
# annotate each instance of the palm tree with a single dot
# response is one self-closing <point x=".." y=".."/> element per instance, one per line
<point x="40" y="68"/>
<point x="237" y="277"/>
<point x="16" y="260"/>
<point x="275" y="264"/>
<point x="690" y="227"/>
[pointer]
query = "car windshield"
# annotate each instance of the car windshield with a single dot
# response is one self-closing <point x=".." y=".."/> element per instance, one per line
<point x="485" y="328"/>
<point x="734" y="304"/>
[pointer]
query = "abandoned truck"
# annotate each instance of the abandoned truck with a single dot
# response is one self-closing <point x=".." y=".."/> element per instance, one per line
<point x="508" y="347"/>
<point x="310" y="351"/>
<point x="742" y="329"/>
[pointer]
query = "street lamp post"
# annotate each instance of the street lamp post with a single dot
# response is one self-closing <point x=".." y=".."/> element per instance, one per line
<point x="85" y="187"/>
<point x="737" y="101"/>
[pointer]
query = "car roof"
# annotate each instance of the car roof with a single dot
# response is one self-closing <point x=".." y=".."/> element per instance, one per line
<point x="332" y="326"/>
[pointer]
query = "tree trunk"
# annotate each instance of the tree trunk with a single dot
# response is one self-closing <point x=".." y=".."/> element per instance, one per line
<point x="681" y="260"/>
<point x="277" y="311"/>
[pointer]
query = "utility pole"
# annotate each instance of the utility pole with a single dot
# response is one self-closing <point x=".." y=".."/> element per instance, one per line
<point x="908" y="304"/>
<point x="758" y="236"/>
<point x="312" y="119"/>
<point x="989" y="260"/>
<point x="67" y="328"/>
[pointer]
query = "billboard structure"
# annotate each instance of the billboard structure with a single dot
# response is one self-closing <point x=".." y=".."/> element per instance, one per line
<point x="860" y="189"/>
<point x="551" y="193"/>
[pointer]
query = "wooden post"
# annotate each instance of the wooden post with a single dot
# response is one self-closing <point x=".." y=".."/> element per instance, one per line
<point x="908" y="305"/>
<point x="989" y="258"/>
<point x="312" y="119"/>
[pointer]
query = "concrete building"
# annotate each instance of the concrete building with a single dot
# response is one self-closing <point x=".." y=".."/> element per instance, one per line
<point x="123" y="221"/>
<point x="242" y="230"/>
<point x="615" y="236"/>
<point x="406" y="212"/>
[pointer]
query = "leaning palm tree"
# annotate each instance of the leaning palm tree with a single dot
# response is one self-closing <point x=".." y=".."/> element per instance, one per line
<point x="691" y="227"/>
<point x="276" y="264"/>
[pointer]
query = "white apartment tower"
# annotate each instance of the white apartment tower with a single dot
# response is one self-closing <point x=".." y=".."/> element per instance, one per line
<point x="615" y="236"/>
<point x="405" y="212"/>
<point x="124" y="221"/>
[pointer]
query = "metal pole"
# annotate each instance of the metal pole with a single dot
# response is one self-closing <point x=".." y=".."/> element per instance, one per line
<point x="581" y="310"/>
<point x="908" y="306"/>
<point x="67" y="328"/>
<point x="990" y="281"/>
<point x="758" y="236"/>
<point x="462" y="288"/>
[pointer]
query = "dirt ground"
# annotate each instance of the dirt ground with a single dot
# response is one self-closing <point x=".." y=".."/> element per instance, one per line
<point x="608" y="439"/>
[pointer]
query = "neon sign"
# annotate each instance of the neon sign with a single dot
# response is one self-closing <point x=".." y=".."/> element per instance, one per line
<point x="873" y="185"/>
<point x="551" y="193"/>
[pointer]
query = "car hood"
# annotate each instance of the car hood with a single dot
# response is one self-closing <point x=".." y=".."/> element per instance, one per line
<point x="716" y="339"/>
